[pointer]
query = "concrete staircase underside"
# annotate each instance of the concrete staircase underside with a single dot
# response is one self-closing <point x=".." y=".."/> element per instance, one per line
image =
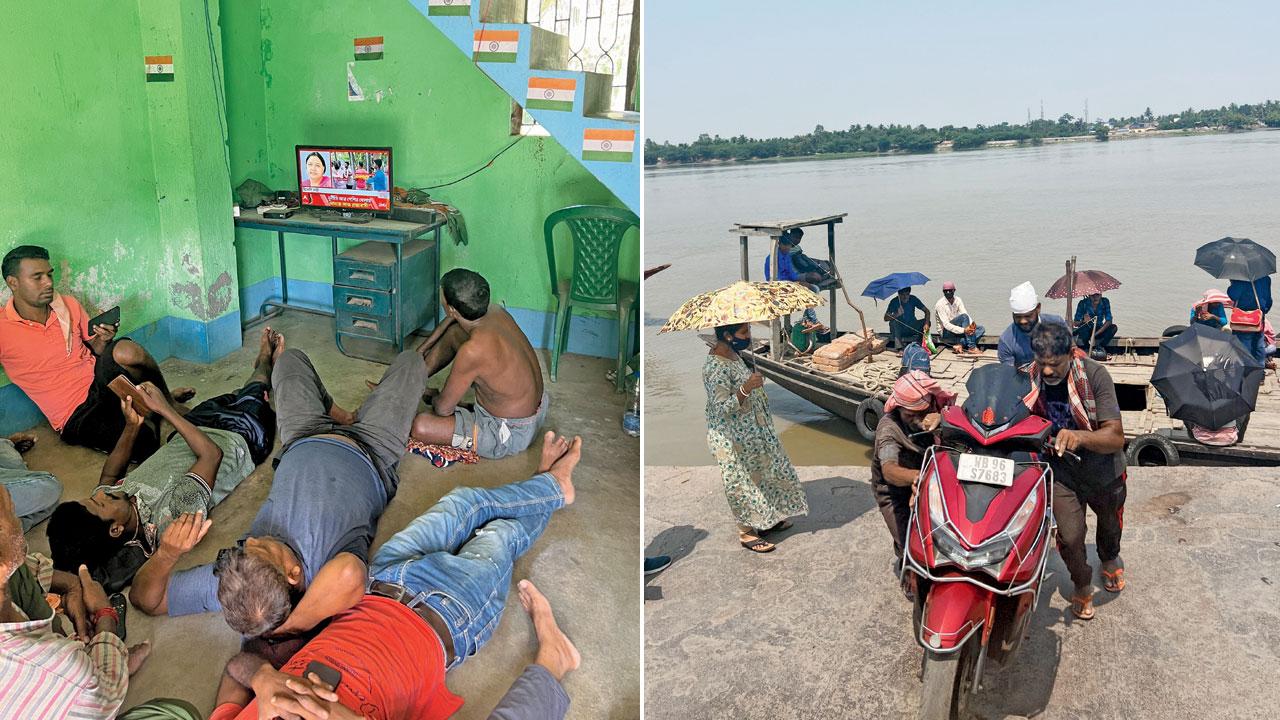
<point x="529" y="64"/>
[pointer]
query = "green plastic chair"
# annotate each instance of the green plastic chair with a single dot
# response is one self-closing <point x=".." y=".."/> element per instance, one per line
<point x="597" y="234"/>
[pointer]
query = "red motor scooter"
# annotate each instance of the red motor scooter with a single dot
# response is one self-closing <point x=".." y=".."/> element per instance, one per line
<point x="979" y="536"/>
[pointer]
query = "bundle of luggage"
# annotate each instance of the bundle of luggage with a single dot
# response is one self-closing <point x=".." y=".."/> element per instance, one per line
<point x="846" y="350"/>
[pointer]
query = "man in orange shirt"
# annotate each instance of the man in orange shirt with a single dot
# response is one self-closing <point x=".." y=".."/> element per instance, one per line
<point x="48" y="349"/>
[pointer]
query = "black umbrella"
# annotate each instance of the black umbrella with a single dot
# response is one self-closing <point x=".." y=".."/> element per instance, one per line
<point x="1206" y="377"/>
<point x="1235" y="259"/>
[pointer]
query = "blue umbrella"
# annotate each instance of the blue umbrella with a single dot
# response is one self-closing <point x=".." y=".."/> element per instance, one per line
<point x="888" y="286"/>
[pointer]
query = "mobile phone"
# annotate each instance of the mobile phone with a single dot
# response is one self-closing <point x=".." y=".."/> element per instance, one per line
<point x="123" y="388"/>
<point x="327" y="675"/>
<point x="110" y="317"/>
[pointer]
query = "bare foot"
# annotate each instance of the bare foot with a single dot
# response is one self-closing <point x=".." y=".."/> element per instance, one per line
<point x="562" y="468"/>
<point x="138" y="655"/>
<point x="277" y="340"/>
<point x="555" y="650"/>
<point x="183" y="394"/>
<point x="265" y="346"/>
<point x="23" y="441"/>
<point x="553" y="446"/>
<point x="341" y="415"/>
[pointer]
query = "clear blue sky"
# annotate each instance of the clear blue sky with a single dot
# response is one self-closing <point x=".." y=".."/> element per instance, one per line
<point x="766" y="69"/>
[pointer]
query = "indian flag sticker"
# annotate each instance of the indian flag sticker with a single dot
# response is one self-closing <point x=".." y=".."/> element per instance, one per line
<point x="550" y="93"/>
<point x="608" y="145"/>
<point x="159" y="68"/>
<point x="369" y="48"/>
<point x="449" y="7"/>
<point x="495" y="46"/>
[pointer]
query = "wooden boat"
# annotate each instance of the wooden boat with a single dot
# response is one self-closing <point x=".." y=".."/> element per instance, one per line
<point x="857" y="393"/>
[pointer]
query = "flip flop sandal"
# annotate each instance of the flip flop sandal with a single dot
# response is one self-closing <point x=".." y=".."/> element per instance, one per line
<point x="1082" y="607"/>
<point x="778" y="527"/>
<point x="758" y="545"/>
<point x="1113" y="581"/>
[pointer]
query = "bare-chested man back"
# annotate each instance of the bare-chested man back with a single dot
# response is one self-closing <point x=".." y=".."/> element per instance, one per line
<point x="489" y="352"/>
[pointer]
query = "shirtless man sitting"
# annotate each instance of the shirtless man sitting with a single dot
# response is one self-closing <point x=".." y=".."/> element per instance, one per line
<point x="490" y="352"/>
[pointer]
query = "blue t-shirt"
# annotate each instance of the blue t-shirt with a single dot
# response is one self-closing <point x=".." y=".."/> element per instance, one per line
<point x="379" y="180"/>
<point x="326" y="498"/>
<point x="1242" y="294"/>
<point x="1015" y="345"/>
<point x="1102" y="313"/>
<point x="785" y="269"/>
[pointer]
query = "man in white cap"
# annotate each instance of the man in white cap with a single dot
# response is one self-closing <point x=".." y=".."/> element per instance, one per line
<point x="958" y="328"/>
<point x="1015" y="341"/>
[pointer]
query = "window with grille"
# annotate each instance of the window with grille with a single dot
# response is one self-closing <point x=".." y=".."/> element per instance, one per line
<point x="603" y="38"/>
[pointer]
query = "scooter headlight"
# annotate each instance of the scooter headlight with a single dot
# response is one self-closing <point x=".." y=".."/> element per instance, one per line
<point x="989" y="553"/>
<point x="937" y="516"/>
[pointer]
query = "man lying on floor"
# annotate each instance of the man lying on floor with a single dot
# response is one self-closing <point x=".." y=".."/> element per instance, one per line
<point x="436" y="593"/>
<point x="490" y="352"/>
<point x="48" y="349"/>
<point x="121" y="523"/>
<point x="303" y="559"/>
<point x="44" y="673"/>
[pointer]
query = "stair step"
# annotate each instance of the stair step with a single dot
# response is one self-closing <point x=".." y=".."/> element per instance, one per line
<point x="502" y="44"/>
<point x="502" y="11"/>
<point x="626" y="116"/>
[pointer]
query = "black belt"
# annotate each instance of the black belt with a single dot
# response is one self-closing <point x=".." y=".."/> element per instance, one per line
<point x="404" y="596"/>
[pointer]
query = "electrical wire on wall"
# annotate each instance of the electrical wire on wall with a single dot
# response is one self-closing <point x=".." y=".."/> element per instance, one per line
<point x="477" y="170"/>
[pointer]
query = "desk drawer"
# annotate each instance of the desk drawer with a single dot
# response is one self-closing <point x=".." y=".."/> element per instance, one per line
<point x="362" y="325"/>
<point x="364" y="302"/>
<point x="355" y="273"/>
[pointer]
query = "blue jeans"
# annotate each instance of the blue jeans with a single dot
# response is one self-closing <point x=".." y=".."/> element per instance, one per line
<point x="1255" y="344"/>
<point x="34" y="493"/>
<point x="464" y="578"/>
<point x="966" y="341"/>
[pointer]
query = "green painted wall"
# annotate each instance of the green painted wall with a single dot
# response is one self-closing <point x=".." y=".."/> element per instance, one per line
<point x="124" y="181"/>
<point x="441" y="115"/>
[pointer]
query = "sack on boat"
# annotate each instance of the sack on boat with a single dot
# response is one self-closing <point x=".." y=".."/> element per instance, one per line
<point x="1246" y="320"/>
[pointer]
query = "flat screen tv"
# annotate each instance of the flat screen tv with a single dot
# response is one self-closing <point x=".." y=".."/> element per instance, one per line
<point x="345" y="178"/>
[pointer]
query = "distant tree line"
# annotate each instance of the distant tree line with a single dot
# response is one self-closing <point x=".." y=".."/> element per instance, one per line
<point x="920" y="139"/>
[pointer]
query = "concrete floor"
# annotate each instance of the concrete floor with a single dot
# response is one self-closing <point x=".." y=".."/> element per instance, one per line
<point x="586" y="561"/>
<point x="819" y="629"/>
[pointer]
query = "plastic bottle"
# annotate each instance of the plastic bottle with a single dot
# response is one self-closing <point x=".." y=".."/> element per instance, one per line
<point x="631" y="418"/>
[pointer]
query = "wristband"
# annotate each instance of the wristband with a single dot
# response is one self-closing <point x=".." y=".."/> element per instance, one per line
<point x="106" y="612"/>
<point x="743" y="392"/>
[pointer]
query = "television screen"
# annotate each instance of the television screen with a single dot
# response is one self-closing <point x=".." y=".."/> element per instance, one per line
<point x="345" y="178"/>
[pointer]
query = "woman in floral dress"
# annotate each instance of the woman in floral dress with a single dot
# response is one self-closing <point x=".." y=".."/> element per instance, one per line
<point x="759" y="480"/>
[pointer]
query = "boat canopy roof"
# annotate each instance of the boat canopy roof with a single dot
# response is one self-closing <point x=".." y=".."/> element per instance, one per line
<point x="776" y="228"/>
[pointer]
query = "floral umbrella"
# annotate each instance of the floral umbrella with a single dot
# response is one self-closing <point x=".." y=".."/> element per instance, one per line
<point x="742" y="302"/>
<point x="1087" y="283"/>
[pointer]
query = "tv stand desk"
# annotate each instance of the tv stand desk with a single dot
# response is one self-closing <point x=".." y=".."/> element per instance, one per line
<point x="383" y="289"/>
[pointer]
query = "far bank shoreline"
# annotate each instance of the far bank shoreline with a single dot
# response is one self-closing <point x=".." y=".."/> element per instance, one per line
<point x="992" y="145"/>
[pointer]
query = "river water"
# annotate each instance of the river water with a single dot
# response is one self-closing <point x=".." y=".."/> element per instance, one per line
<point x="987" y="219"/>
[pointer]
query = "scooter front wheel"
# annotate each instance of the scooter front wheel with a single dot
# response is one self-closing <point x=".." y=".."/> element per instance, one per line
<point x="947" y="681"/>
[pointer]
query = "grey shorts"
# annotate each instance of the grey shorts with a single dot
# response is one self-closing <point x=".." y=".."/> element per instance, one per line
<point x="494" y="437"/>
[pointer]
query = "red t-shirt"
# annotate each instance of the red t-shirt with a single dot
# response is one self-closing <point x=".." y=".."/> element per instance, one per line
<point x="36" y="359"/>
<point x="391" y="662"/>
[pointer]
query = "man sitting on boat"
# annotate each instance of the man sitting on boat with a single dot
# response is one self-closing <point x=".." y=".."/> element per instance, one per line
<point x="904" y="324"/>
<point x="1078" y="396"/>
<point x="914" y="407"/>
<point x="1015" y="342"/>
<point x="788" y="271"/>
<point x="1094" y="326"/>
<point x="958" y="329"/>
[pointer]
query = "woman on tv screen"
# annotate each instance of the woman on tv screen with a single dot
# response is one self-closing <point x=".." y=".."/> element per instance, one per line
<point x="316" y="176"/>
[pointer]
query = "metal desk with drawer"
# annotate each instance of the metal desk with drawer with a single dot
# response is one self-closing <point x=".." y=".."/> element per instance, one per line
<point x="383" y="288"/>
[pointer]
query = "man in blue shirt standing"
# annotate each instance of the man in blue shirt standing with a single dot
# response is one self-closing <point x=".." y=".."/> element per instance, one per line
<point x="1015" y="342"/>
<point x="1248" y="296"/>
<point x="379" y="180"/>
<point x="1093" y="321"/>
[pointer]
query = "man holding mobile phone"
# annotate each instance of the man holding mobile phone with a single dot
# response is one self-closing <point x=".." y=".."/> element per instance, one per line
<point x="49" y="350"/>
